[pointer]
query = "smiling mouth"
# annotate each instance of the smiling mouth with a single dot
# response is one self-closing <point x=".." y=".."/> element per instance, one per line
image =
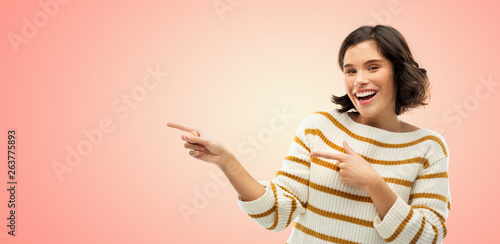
<point x="365" y="95"/>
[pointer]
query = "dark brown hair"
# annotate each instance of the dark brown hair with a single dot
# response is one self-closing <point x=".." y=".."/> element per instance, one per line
<point x="410" y="81"/>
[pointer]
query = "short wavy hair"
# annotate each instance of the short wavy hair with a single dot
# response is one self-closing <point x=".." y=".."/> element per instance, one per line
<point x="410" y="81"/>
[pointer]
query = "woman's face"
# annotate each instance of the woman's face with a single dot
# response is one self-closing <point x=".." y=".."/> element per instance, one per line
<point x="369" y="79"/>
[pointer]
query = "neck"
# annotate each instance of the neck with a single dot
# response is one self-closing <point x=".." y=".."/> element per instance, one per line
<point x="389" y="122"/>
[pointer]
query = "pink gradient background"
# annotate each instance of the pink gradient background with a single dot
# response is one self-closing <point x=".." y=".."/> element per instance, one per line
<point x="226" y="77"/>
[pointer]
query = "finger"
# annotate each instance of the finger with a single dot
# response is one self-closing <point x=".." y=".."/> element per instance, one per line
<point x="196" y="132"/>
<point x="196" y="140"/>
<point x="184" y="138"/>
<point x="194" y="146"/>
<point x="348" y="149"/>
<point x="336" y="156"/>
<point x="342" y="165"/>
<point x="180" y="127"/>
<point x="195" y="153"/>
<point x="339" y="165"/>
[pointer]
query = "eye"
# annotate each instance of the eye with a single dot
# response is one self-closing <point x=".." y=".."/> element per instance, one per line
<point x="372" y="68"/>
<point x="350" y="71"/>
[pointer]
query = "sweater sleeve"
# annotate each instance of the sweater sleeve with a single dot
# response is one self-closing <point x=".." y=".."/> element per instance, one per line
<point x="422" y="219"/>
<point x="286" y="195"/>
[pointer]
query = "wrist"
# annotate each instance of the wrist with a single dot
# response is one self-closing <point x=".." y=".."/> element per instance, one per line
<point x="229" y="164"/>
<point x="376" y="182"/>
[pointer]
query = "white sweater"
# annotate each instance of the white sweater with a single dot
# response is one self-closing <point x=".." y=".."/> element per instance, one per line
<point x="308" y="189"/>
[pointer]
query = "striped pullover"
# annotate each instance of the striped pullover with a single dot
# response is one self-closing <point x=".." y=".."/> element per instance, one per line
<point x="307" y="190"/>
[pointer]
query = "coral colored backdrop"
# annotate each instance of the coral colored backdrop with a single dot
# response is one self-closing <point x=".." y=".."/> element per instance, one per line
<point x="89" y="86"/>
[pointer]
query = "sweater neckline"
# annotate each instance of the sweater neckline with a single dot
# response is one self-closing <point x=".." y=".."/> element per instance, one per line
<point x="358" y="126"/>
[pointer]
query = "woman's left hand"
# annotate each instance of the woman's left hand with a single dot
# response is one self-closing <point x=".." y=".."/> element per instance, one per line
<point x="354" y="169"/>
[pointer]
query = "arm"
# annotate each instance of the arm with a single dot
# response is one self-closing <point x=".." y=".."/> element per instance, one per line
<point x="382" y="195"/>
<point x="206" y="148"/>
<point x="245" y="185"/>
<point x="423" y="218"/>
<point x="420" y="220"/>
<point x="286" y="195"/>
<point x="272" y="204"/>
<point x="356" y="171"/>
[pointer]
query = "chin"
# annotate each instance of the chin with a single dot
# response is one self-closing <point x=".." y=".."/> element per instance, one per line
<point x="366" y="114"/>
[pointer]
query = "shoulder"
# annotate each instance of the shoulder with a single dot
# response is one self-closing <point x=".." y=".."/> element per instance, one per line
<point x="435" y="143"/>
<point x="318" y="117"/>
<point x="325" y="114"/>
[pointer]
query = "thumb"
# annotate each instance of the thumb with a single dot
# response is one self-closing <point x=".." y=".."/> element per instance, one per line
<point x="348" y="149"/>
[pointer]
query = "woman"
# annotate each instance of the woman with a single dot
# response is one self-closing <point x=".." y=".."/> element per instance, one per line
<point x="357" y="174"/>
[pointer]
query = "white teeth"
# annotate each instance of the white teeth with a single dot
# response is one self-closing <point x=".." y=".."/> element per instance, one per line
<point x="364" y="94"/>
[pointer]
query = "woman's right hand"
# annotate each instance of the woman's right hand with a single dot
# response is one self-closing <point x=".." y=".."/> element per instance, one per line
<point x="202" y="145"/>
<point x="205" y="148"/>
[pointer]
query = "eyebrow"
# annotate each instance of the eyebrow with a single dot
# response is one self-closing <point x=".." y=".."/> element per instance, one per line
<point x="367" y="62"/>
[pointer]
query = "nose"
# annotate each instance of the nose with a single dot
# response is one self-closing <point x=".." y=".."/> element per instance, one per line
<point x="361" y="79"/>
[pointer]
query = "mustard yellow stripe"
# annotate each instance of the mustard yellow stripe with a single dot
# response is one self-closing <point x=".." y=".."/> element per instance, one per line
<point x="432" y="176"/>
<point x="297" y="140"/>
<point x="332" y="166"/>
<point x="341" y="217"/>
<point x="294" y="206"/>
<point x="298" y="160"/>
<point x="264" y="214"/>
<point x="293" y="195"/>
<point x="429" y="195"/>
<point x="324" y="163"/>
<point x="440" y="217"/>
<point x="398" y="181"/>
<point x="449" y="205"/>
<point x="339" y="193"/>
<point x="293" y="177"/>
<point x="325" y="189"/>
<point x="419" y="160"/>
<point x="400" y="227"/>
<point x="321" y="236"/>
<point x="319" y="133"/>
<point x="436" y="233"/>
<point x="275" y="223"/>
<point x="378" y="143"/>
<point x="419" y="233"/>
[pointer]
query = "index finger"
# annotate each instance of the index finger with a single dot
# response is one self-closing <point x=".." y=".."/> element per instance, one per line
<point x="335" y="156"/>
<point x="183" y="127"/>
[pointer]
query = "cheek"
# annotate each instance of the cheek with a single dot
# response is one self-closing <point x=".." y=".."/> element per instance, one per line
<point x="385" y="79"/>
<point x="348" y="82"/>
